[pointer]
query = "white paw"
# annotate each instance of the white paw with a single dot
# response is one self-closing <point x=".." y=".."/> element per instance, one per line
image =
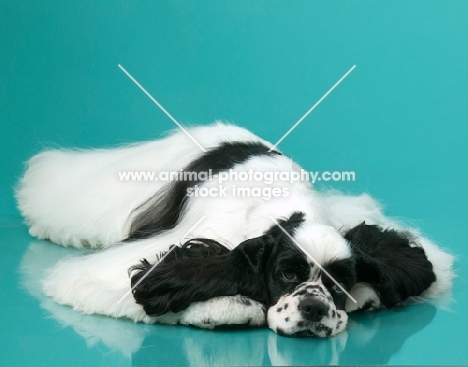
<point x="236" y="310"/>
<point x="366" y="297"/>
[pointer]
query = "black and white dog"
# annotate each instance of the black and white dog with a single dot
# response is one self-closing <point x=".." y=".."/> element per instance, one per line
<point x="248" y="244"/>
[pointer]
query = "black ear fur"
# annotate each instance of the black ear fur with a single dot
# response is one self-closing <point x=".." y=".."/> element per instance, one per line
<point x="257" y="252"/>
<point x="197" y="271"/>
<point x="391" y="262"/>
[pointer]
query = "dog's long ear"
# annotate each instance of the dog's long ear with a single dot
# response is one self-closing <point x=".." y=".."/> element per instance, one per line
<point x="391" y="262"/>
<point x="199" y="270"/>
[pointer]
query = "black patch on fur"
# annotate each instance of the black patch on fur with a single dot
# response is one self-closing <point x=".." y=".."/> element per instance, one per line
<point x="286" y="319"/>
<point x="344" y="272"/>
<point x="391" y="262"/>
<point x="195" y="248"/>
<point x="245" y="301"/>
<point x="323" y="328"/>
<point x="300" y="293"/>
<point x="164" y="210"/>
<point x="281" y="332"/>
<point x="286" y="305"/>
<point x="369" y="305"/>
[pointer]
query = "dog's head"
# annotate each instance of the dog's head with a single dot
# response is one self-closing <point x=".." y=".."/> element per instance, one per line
<point x="305" y="290"/>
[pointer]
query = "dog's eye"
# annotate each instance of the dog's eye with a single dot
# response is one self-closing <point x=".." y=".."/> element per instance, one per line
<point x="337" y="289"/>
<point x="289" y="276"/>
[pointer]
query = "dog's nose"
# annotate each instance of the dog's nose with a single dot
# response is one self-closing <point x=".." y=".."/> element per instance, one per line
<point x="313" y="310"/>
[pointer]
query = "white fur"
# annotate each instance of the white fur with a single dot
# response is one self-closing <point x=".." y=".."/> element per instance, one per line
<point x="364" y="294"/>
<point x="75" y="198"/>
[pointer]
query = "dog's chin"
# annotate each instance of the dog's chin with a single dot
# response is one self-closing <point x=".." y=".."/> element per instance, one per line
<point x="311" y="330"/>
<point x="304" y="334"/>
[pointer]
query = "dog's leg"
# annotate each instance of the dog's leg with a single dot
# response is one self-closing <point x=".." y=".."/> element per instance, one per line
<point x="219" y="311"/>
<point x="96" y="284"/>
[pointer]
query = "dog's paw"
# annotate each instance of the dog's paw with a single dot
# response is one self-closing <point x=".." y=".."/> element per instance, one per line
<point x="366" y="298"/>
<point x="235" y="310"/>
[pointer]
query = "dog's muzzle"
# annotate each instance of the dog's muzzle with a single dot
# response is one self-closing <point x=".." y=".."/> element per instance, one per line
<point x="309" y="311"/>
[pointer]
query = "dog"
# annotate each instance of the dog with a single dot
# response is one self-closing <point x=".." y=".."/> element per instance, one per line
<point x="202" y="240"/>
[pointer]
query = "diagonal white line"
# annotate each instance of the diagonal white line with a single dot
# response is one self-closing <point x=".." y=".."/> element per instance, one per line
<point x="158" y="262"/>
<point x="161" y="107"/>
<point x="313" y="260"/>
<point x="312" y="108"/>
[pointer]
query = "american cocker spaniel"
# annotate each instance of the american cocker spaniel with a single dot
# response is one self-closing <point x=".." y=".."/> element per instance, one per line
<point x="229" y="235"/>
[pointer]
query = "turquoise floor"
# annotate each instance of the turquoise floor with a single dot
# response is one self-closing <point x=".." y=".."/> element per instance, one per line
<point x="399" y="121"/>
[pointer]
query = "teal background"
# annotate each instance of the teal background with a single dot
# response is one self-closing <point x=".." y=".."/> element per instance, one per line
<point x="399" y="120"/>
